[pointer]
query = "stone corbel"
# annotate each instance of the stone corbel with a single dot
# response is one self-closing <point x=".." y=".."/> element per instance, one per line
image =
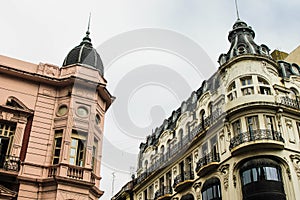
<point x="197" y="187"/>
<point x="296" y="163"/>
<point x="224" y="169"/>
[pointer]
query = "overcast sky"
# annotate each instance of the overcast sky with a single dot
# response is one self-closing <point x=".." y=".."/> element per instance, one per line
<point x="45" y="31"/>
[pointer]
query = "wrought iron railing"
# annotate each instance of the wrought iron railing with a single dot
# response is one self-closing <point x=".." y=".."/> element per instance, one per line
<point x="10" y="163"/>
<point x="180" y="145"/>
<point x="187" y="175"/>
<point x="293" y="103"/>
<point x="163" y="191"/>
<point x="207" y="159"/>
<point x="255" y="135"/>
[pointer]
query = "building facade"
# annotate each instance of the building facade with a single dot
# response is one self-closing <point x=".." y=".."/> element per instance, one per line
<point x="51" y="126"/>
<point x="236" y="137"/>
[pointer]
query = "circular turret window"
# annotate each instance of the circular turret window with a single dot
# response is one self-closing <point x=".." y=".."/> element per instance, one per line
<point x="82" y="111"/>
<point x="62" y="110"/>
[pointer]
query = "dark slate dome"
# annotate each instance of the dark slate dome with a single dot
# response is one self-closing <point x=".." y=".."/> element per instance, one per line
<point x="85" y="54"/>
<point x="242" y="42"/>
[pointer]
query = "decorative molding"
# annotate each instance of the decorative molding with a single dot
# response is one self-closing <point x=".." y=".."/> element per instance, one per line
<point x="197" y="187"/>
<point x="296" y="162"/>
<point x="234" y="180"/>
<point x="224" y="169"/>
<point x="7" y="116"/>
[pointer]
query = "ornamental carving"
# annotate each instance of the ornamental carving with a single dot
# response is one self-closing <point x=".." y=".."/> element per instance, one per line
<point x="7" y="116"/>
<point x="296" y="163"/>
<point x="224" y="169"/>
<point x="197" y="187"/>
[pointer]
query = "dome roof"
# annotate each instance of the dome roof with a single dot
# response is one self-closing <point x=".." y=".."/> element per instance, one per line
<point x="242" y="42"/>
<point x="85" y="54"/>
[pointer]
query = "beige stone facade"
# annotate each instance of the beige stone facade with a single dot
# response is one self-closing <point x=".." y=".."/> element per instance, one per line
<point x="51" y="129"/>
<point x="236" y="137"/>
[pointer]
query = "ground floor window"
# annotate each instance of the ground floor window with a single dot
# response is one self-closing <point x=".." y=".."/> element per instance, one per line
<point x="211" y="190"/>
<point x="261" y="179"/>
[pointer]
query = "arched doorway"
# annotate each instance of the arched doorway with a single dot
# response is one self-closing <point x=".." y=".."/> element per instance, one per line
<point x="261" y="179"/>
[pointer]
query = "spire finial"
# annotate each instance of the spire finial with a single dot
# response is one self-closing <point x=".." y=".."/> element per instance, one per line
<point x="237" y="10"/>
<point x="88" y="29"/>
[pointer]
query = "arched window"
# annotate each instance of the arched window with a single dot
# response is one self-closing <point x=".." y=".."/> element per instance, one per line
<point x="202" y="118"/>
<point x="180" y="134"/>
<point x="162" y="149"/>
<point x="146" y="164"/>
<point x="261" y="179"/>
<point x="211" y="190"/>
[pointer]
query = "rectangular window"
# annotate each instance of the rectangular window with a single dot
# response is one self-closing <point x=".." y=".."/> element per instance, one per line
<point x="161" y="183"/>
<point x="94" y="155"/>
<point x="214" y="146"/>
<point x="298" y="128"/>
<point x="270" y="123"/>
<point x="204" y="149"/>
<point x="264" y="90"/>
<point x="57" y="146"/>
<point x="247" y="91"/>
<point x="150" y="192"/>
<point x="236" y="126"/>
<point x="145" y="195"/>
<point x="77" y="149"/>
<point x="7" y="132"/>
<point x="246" y="80"/>
<point x="252" y="123"/>
<point x="169" y="179"/>
<point x="231" y="96"/>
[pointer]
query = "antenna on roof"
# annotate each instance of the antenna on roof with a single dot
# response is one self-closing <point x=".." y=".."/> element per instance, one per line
<point x="237" y="10"/>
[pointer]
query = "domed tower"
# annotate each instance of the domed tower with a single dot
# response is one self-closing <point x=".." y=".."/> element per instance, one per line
<point x="242" y="42"/>
<point x="85" y="54"/>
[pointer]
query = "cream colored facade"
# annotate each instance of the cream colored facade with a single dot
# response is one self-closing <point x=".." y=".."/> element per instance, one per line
<point x="236" y="137"/>
<point x="51" y="129"/>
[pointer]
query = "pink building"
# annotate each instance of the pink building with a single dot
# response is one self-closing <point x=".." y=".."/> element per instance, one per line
<point x="51" y="126"/>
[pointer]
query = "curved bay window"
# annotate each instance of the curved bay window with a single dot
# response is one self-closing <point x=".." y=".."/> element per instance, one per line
<point x="261" y="179"/>
<point x="211" y="190"/>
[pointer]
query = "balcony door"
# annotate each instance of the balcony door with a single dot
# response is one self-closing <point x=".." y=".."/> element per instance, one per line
<point x="4" y="141"/>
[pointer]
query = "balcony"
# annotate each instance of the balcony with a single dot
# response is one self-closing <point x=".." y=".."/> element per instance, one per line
<point x="164" y="193"/>
<point x="10" y="163"/>
<point x="292" y="103"/>
<point x="207" y="163"/>
<point x="181" y="145"/>
<point x="262" y="138"/>
<point x="73" y="172"/>
<point x="183" y="181"/>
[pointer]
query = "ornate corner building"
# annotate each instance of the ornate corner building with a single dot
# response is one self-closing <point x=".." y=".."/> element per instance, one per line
<point x="51" y="126"/>
<point x="236" y="137"/>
